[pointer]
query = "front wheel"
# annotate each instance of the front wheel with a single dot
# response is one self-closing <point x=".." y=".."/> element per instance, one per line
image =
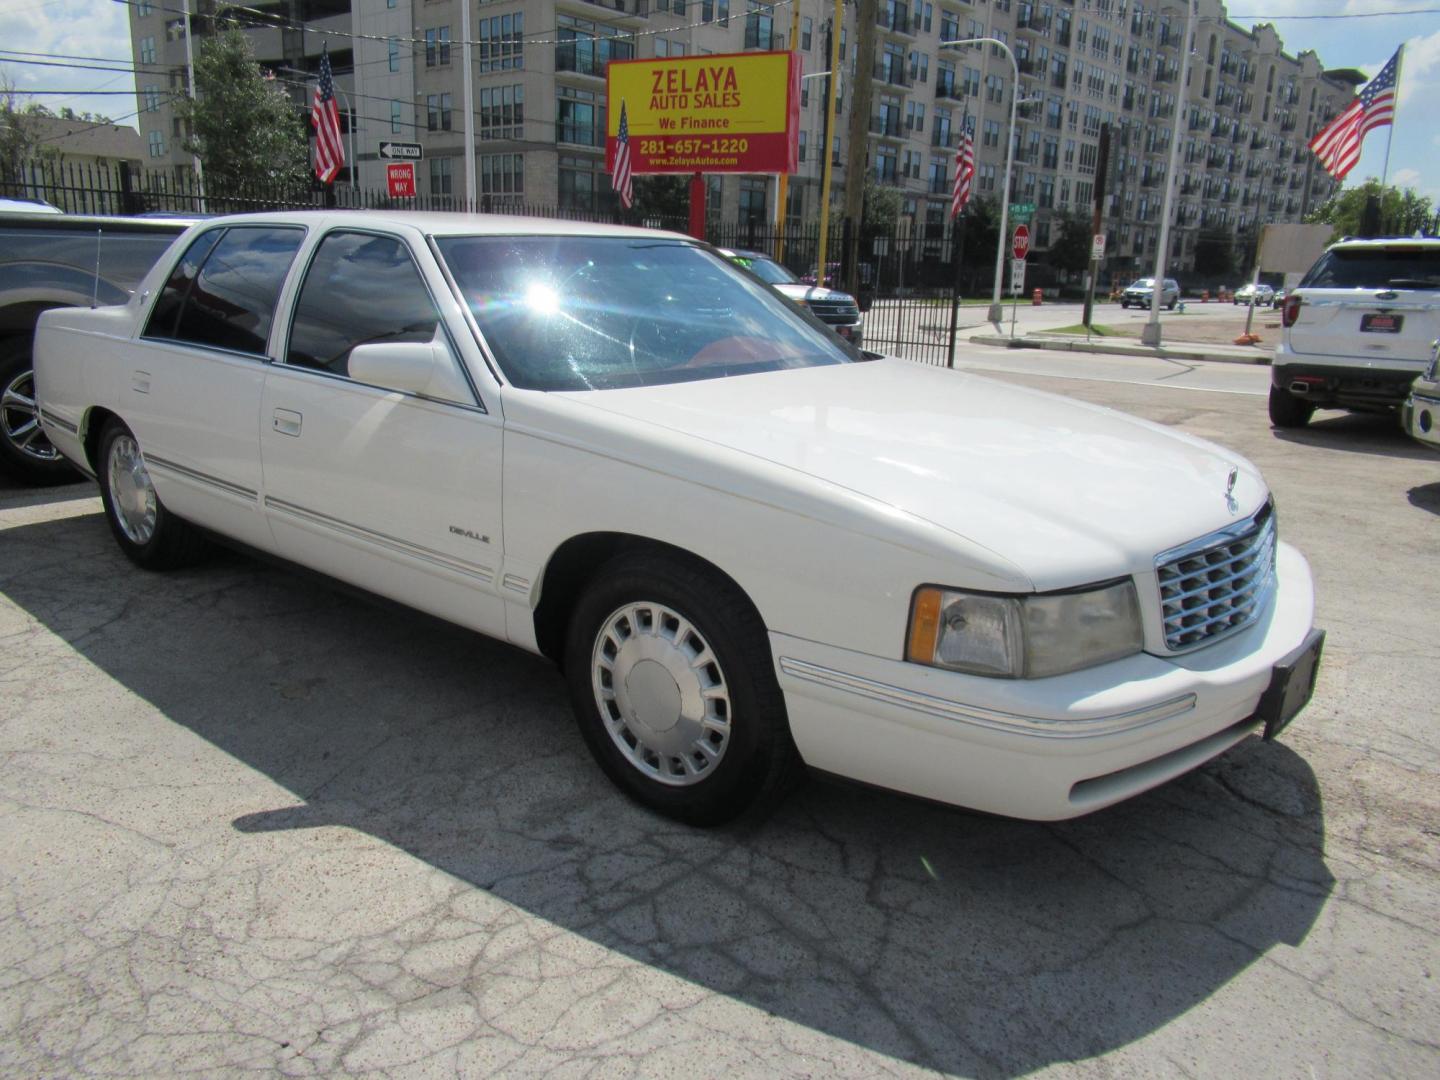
<point x="25" y="452"/>
<point x="674" y="690"/>
<point x="1287" y="410"/>
<point x="148" y="534"/>
<point x="1170" y="306"/>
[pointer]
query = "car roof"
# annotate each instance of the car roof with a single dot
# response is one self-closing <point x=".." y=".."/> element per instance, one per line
<point x="446" y="224"/>
<point x="1385" y="241"/>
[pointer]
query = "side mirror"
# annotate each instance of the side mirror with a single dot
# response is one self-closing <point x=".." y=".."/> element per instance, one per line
<point x="426" y="368"/>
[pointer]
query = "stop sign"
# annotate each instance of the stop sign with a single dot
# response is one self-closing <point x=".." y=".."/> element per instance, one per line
<point x="1020" y="246"/>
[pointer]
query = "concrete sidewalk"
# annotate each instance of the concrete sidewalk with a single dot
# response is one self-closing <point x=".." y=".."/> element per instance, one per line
<point x="1226" y="354"/>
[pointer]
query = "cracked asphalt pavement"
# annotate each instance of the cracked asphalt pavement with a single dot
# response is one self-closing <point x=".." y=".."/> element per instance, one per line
<point x="250" y="823"/>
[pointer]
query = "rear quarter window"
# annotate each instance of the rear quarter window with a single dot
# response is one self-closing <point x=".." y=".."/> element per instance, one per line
<point x="1408" y="267"/>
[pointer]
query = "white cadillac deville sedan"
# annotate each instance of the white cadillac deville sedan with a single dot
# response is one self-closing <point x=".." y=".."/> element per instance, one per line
<point x="747" y="545"/>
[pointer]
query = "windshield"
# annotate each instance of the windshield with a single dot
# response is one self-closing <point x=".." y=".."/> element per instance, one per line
<point x="767" y="270"/>
<point x="598" y="313"/>
<point x="1409" y="267"/>
<point x="1144" y="283"/>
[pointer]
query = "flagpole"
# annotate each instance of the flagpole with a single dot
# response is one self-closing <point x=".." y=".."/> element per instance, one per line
<point x="1390" y="135"/>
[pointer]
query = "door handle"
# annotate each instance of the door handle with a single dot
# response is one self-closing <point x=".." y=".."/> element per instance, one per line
<point x="286" y="422"/>
<point x="140" y="382"/>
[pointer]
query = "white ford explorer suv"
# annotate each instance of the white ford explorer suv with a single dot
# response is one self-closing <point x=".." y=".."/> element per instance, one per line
<point x="1357" y="329"/>
<point x="747" y="544"/>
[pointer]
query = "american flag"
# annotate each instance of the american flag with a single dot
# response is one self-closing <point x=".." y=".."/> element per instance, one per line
<point x="620" y="177"/>
<point x="964" y="167"/>
<point x="1338" y="142"/>
<point x="325" y="118"/>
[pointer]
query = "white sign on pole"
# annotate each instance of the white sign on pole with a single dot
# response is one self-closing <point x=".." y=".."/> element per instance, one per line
<point x="1017" y="276"/>
<point x="1097" y="246"/>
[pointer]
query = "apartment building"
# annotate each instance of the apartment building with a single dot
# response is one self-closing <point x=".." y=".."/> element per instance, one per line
<point x="538" y="66"/>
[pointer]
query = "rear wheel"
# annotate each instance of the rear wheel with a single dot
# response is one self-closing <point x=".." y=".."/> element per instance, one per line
<point x="148" y="534"/>
<point x="25" y="452"/>
<point x="1287" y="410"/>
<point x="673" y="687"/>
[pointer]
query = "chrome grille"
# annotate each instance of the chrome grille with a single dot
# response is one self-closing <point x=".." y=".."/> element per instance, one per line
<point x="835" y="311"/>
<point x="1217" y="584"/>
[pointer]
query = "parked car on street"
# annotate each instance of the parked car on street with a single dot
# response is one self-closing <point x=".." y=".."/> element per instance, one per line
<point x="747" y="545"/>
<point x="1357" y="329"/>
<point x="1140" y="292"/>
<point x="1420" y="414"/>
<point x="1261" y="294"/>
<point x="49" y="259"/>
<point x="838" y="310"/>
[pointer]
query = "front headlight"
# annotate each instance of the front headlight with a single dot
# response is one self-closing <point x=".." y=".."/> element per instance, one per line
<point x="1023" y="637"/>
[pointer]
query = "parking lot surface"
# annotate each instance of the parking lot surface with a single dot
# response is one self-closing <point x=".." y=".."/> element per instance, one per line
<point x="251" y="823"/>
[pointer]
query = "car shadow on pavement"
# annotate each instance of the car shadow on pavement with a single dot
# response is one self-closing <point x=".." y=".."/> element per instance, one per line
<point x="958" y="942"/>
<point x="1426" y="497"/>
<point x="1356" y="433"/>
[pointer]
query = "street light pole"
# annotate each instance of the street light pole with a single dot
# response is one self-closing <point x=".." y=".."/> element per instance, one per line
<point x="996" y="314"/>
<point x="1150" y="334"/>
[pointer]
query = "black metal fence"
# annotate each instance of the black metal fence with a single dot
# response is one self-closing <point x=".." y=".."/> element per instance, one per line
<point x="905" y="282"/>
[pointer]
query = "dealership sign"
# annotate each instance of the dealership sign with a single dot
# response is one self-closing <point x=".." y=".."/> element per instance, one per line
<point x="711" y="114"/>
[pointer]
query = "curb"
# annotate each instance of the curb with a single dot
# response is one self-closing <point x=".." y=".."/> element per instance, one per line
<point x="1165" y="352"/>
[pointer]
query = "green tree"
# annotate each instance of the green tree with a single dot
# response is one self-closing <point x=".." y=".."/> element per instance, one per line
<point x="661" y="196"/>
<point x="19" y="131"/>
<point x="1070" y="249"/>
<point x="243" y="127"/>
<point x="982" y="232"/>
<point x="1401" y="212"/>
<point x="882" y="206"/>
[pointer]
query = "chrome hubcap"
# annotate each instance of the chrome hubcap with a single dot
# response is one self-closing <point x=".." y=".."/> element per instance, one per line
<point x="131" y="493"/>
<point x="20" y="419"/>
<point x="661" y="693"/>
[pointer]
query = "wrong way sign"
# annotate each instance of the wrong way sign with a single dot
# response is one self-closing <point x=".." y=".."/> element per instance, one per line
<point x="400" y="179"/>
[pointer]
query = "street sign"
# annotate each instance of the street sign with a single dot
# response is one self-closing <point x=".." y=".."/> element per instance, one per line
<point x="1020" y="245"/>
<point x="1017" y="276"/>
<point x="400" y="179"/>
<point x="404" y="151"/>
<point x="1097" y="246"/>
<point x="1021" y="211"/>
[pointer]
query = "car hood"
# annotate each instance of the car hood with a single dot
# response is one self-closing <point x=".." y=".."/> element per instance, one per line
<point x="1066" y="492"/>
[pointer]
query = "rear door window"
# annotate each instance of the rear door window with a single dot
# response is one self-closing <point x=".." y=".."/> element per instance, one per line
<point x="224" y="297"/>
<point x="1408" y="267"/>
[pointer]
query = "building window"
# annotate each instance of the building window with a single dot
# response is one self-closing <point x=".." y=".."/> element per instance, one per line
<point x="441" y="176"/>
<point x="802" y="144"/>
<point x="155" y="140"/>
<point x="584" y="184"/>
<point x="760" y="28"/>
<point x="502" y="112"/>
<point x="144" y="7"/>
<point x="588" y="48"/>
<point x="807" y="30"/>
<point x="152" y="98"/>
<point x="395" y="121"/>
<point x="174" y="29"/>
<point x="437" y="46"/>
<point x="147" y="50"/>
<point x="394" y="46"/>
<point x="502" y="174"/>
<point x="500" y="42"/>
<point x="437" y="112"/>
<point x="752" y="201"/>
<point x="990" y="133"/>
<point x="575" y="118"/>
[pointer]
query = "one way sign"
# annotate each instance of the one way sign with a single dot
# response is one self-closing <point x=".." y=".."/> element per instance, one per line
<point x="406" y="151"/>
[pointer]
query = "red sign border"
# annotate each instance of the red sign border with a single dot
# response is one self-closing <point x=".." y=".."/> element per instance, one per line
<point x="389" y="183"/>
<point x="1015" y="248"/>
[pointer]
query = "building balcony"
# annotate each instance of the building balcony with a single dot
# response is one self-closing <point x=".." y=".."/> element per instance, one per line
<point x="887" y="126"/>
<point x="891" y="73"/>
<point x="895" y="18"/>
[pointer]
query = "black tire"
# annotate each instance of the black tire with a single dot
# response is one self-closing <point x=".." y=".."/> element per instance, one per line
<point x="25" y="452"/>
<point x="758" y="760"/>
<point x="1287" y="410"/>
<point x="1171" y="306"/>
<point x="1123" y="304"/>
<point x="172" y="543"/>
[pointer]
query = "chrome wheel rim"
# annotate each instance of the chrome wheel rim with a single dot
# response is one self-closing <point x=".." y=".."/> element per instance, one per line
<point x="20" y="419"/>
<point x="661" y="694"/>
<point x="132" y="495"/>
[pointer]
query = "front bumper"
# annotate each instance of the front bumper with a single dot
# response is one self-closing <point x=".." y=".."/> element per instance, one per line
<point x="1043" y="749"/>
<point x="1420" y="414"/>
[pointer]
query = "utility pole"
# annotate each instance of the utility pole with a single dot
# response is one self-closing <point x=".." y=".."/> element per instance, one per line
<point x="828" y="168"/>
<point x="782" y="185"/>
<point x="861" y="94"/>
<point x="1097" y="225"/>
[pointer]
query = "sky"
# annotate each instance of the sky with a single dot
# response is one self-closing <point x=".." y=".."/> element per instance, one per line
<point x="1347" y="34"/>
